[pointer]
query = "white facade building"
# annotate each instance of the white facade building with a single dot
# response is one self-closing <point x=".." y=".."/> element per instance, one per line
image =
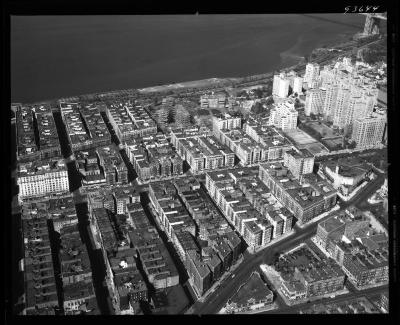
<point x="368" y="131"/>
<point x="297" y="85"/>
<point x="42" y="180"/>
<point x="315" y="99"/>
<point x="280" y="86"/>
<point x="312" y="73"/>
<point x="284" y="116"/>
<point x="299" y="162"/>
<point x="226" y="122"/>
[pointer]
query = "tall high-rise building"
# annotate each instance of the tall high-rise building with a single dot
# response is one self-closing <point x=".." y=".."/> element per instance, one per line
<point x="368" y="131"/>
<point x="342" y="103"/>
<point x="330" y="100"/>
<point x="315" y="99"/>
<point x="297" y="85"/>
<point x="284" y="116"/>
<point x="312" y="73"/>
<point x="280" y="85"/>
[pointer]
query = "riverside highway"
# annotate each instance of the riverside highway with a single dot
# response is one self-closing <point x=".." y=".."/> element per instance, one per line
<point x="227" y="288"/>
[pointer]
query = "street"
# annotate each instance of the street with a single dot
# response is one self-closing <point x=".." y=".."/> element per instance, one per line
<point x="251" y="263"/>
<point x="342" y="298"/>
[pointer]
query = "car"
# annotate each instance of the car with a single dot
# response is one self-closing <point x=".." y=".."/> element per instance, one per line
<point x="233" y="276"/>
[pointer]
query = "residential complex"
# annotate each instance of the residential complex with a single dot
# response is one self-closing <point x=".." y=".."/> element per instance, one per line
<point x="179" y="212"/>
<point x="76" y="273"/>
<point x="204" y="153"/>
<point x="249" y="206"/>
<point x="255" y="143"/>
<point x="103" y="165"/>
<point x="273" y="144"/>
<point x="129" y="121"/>
<point x="40" y="268"/>
<point x="27" y="149"/>
<point x="306" y="198"/>
<point x="360" y="250"/>
<point x="153" y="158"/>
<point x="31" y="120"/>
<point x="85" y="127"/>
<point x="39" y="279"/>
<point x="205" y="243"/>
<point x="114" y="198"/>
<point x="345" y="93"/>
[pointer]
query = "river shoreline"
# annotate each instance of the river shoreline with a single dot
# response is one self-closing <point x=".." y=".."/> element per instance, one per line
<point x="201" y="83"/>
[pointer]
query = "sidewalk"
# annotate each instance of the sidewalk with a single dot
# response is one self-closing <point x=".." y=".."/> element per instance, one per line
<point x="269" y="307"/>
<point x="348" y="198"/>
<point x="292" y="249"/>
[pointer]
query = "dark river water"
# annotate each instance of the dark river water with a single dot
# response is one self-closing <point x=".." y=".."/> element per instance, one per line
<point x="56" y="56"/>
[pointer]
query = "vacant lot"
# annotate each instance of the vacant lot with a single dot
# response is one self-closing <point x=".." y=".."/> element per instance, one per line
<point x="254" y="288"/>
<point x="300" y="137"/>
<point x="322" y="129"/>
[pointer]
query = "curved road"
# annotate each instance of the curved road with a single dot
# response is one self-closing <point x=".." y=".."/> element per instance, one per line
<point x="218" y="298"/>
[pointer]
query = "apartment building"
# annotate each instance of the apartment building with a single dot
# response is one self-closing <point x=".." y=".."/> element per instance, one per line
<point x="39" y="178"/>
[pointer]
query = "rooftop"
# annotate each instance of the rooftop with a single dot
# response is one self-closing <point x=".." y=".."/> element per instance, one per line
<point x="41" y="167"/>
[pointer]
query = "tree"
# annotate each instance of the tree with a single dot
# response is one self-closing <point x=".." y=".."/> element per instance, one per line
<point x="257" y="108"/>
<point x="258" y="92"/>
<point x="269" y="101"/>
<point x="352" y="145"/>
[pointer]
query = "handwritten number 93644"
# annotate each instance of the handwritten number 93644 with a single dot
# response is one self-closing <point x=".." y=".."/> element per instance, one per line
<point x="366" y="9"/>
